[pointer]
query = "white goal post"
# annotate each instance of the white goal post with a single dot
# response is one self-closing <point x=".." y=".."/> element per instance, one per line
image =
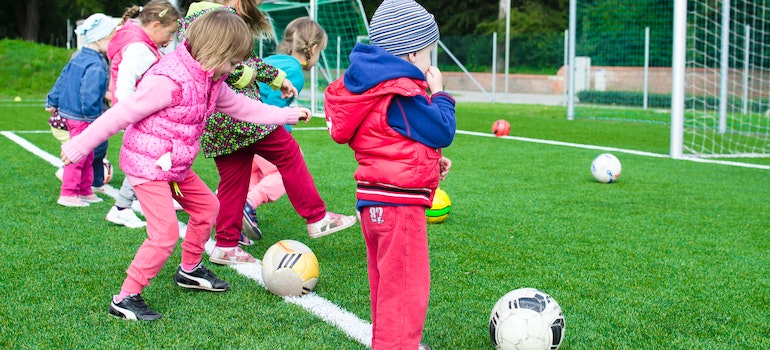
<point x="721" y="79"/>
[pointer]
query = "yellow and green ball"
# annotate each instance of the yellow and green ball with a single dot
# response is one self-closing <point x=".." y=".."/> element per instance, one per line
<point x="440" y="209"/>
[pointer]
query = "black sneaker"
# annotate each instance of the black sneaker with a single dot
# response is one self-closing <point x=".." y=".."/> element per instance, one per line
<point x="250" y="222"/>
<point x="200" y="278"/>
<point x="133" y="307"/>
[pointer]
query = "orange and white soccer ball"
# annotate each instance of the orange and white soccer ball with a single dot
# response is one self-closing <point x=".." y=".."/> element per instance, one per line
<point x="501" y="128"/>
<point x="290" y="268"/>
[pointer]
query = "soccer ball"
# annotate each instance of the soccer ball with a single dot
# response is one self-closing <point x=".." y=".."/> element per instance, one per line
<point x="107" y="170"/>
<point x="440" y="208"/>
<point x="290" y="268"/>
<point x="501" y="128"/>
<point x="606" y="168"/>
<point x="526" y="318"/>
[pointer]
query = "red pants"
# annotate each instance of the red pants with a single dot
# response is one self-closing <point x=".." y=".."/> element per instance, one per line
<point x="399" y="274"/>
<point x="279" y="148"/>
<point x="163" y="227"/>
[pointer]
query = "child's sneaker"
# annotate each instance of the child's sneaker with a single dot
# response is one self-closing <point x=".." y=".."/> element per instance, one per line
<point x="133" y="307"/>
<point x="200" y="278"/>
<point x="250" y="222"/>
<point x="331" y="223"/>
<point x="71" y="201"/>
<point x="423" y="346"/>
<point x="91" y="198"/>
<point x="244" y="240"/>
<point x="125" y="217"/>
<point x="233" y="256"/>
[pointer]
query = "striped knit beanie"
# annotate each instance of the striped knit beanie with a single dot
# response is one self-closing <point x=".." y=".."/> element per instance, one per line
<point x="402" y="27"/>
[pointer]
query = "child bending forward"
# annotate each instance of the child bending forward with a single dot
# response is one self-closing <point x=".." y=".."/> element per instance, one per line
<point x="163" y="121"/>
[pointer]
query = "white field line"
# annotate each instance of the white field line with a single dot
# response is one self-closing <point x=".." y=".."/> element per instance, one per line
<point x="326" y="310"/>
<point x="613" y="149"/>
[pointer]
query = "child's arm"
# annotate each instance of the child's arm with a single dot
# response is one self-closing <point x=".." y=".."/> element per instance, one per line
<point x="153" y="94"/>
<point x="430" y="122"/>
<point x="243" y="108"/>
<point x="255" y="69"/>
<point x="137" y="59"/>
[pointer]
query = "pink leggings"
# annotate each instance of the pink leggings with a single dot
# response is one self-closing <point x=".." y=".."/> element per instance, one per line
<point x="78" y="177"/>
<point x="163" y="227"/>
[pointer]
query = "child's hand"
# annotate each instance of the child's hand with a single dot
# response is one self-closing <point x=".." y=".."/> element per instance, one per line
<point x="288" y="90"/>
<point x="51" y="110"/>
<point x="435" y="79"/>
<point x="443" y="165"/>
<point x="304" y="114"/>
<point x="64" y="159"/>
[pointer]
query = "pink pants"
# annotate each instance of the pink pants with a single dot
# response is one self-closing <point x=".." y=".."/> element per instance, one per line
<point x="399" y="274"/>
<point x="265" y="185"/>
<point x="78" y="177"/>
<point x="279" y="148"/>
<point x="163" y="227"/>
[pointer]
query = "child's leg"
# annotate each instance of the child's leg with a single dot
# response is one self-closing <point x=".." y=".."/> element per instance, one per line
<point x="399" y="274"/>
<point x="197" y="200"/>
<point x="234" y="172"/>
<point x="280" y="148"/>
<point x="126" y="195"/>
<point x="266" y="184"/>
<point x="162" y="235"/>
<point x="77" y="177"/>
<point x="98" y="164"/>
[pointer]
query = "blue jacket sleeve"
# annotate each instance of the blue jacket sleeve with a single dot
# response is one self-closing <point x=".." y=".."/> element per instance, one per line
<point x="92" y="89"/>
<point x="430" y="122"/>
<point x="52" y="99"/>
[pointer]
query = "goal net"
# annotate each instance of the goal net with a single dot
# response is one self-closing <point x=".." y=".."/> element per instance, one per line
<point x="727" y="79"/>
<point x="345" y="24"/>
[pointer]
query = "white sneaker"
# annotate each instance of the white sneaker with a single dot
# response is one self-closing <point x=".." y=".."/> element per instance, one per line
<point x="125" y="217"/>
<point x="331" y="223"/>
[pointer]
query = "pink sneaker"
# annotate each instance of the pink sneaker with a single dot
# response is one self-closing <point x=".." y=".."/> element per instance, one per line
<point x="231" y="257"/>
<point x="71" y="201"/>
<point x="91" y="198"/>
<point x="331" y="223"/>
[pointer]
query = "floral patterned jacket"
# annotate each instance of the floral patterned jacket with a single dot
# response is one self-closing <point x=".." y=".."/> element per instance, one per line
<point x="223" y="134"/>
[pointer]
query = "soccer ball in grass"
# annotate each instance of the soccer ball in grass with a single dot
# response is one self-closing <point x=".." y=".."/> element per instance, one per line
<point x="107" y="171"/>
<point x="606" y="168"/>
<point x="440" y="208"/>
<point x="526" y="318"/>
<point x="501" y="128"/>
<point x="290" y="268"/>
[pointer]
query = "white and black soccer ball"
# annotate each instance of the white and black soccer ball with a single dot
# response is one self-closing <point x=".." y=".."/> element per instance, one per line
<point x="290" y="268"/>
<point x="526" y="318"/>
<point x="606" y="168"/>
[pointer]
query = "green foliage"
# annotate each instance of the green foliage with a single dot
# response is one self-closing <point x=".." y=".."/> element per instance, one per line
<point x="28" y="69"/>
<point x="611" y="32"/>
<point x="636" y="99"/>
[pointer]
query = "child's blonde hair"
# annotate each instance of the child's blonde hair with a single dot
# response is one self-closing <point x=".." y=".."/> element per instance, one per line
<point x="155" y="10"/>
<point x="300" y="36"/>
<point x="219" y="36"/>
<point x="258" y="23"/>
